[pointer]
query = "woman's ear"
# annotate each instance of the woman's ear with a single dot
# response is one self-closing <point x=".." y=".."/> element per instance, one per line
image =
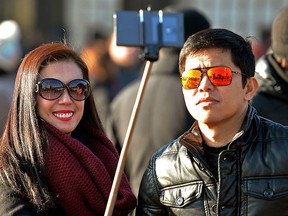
<point x="251" y="88"/>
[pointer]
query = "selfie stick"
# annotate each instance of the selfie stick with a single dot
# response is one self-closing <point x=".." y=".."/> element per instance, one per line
<point x="150" y="54"/>
<point x="120" y="167"/>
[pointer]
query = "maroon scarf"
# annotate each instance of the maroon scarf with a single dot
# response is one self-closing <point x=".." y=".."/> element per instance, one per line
<point x="80" y="178"/>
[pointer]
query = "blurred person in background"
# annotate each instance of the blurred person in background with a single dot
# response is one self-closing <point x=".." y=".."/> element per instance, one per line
<point x="55" y="158"/>
<point x="271" y="100"/>
<point x="163" y="114"/>
<point x="10" y="55"/>
<point x="102" y="71"/>
<point x="128" y="63"/>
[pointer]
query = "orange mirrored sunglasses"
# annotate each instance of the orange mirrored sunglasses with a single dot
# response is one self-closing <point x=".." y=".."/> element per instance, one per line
<point x="218" y="76"/>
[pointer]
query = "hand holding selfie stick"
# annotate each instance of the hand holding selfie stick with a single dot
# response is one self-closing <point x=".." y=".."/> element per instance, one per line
<point x="151" y="51"/>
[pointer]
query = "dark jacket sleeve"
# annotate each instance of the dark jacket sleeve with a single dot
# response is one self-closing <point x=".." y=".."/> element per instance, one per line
<point x="149" y="194"/>
<point x="13" y="206"/>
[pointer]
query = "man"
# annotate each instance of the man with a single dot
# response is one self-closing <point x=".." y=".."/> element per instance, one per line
<point x="271" y="100"/>
<point x="162" y="114"/>
<point x="231" y="161"/>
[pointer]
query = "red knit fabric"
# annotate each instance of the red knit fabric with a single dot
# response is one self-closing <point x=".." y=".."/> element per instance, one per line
<point x="80" y="178"/>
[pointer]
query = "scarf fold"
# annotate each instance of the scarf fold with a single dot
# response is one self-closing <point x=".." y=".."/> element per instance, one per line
<point x="81" y="178"/>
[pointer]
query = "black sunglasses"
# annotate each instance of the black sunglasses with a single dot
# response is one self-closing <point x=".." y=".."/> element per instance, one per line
<point x="52" y="89"/>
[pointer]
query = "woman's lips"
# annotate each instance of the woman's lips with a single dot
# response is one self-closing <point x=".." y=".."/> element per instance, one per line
<point x="63" y="115"/>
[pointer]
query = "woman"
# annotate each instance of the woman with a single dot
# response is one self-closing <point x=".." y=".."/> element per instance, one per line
<point x="54" y="156"/>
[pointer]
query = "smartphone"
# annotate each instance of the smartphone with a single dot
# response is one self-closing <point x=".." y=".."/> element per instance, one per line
<point x="149" y="28"/>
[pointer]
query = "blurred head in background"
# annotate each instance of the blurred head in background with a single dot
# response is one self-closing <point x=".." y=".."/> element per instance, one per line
<point x="124" y="56"/>
<point x="10" y="46"/>
<point x="279" y="38"/>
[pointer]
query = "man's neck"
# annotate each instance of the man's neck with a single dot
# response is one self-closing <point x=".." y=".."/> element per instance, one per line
<point x="220" y="134"/>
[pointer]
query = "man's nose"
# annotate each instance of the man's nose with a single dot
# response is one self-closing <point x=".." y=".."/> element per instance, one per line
<point x="205" y="83"/>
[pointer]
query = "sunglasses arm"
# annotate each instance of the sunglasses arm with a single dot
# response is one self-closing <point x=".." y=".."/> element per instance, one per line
<point x="37" y="88"/>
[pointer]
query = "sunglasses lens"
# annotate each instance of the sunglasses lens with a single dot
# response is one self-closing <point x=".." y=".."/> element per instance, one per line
<point x="51" y="89"/>
<point x="191" y="79"/>
<point x="79" y="89"/>
<point x="220" y="76"/>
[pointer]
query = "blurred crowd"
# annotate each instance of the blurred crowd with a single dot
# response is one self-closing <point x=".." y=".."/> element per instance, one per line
<point x="114" y="70"/>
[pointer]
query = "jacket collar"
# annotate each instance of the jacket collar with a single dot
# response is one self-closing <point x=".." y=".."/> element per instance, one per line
<point x="192" y="139"/>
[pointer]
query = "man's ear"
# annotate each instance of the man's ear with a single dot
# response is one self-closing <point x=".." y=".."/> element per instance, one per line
<point x="251" y="88"/>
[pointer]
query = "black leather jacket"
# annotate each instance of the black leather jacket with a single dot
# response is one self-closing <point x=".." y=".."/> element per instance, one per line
<point x="271" y="100"/>
<point x="252" y="173"/>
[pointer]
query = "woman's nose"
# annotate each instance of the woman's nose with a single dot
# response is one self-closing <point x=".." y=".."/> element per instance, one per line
<point x="65" y="97"/>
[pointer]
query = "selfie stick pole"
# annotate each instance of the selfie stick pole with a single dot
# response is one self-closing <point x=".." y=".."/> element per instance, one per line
<point x="120" y="166"/>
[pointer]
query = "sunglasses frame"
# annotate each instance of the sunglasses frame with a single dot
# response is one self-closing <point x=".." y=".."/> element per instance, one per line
<point x="64" y="86"/>
<point x="207" y="69"/>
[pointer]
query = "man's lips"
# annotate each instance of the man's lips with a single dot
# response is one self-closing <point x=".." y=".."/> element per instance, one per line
<point x="207" y="100"/>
